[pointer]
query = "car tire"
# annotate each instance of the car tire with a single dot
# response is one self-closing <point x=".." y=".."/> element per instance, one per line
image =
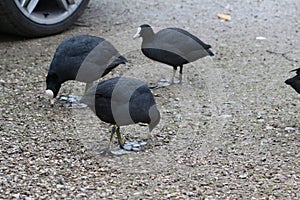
<point x="16" y="18"/>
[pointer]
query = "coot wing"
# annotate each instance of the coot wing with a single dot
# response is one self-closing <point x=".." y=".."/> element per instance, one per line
<point x="177" y="42"/>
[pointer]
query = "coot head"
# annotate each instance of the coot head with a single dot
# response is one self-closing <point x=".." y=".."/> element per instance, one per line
<point x="144" y="31"/>
<point x="295" y="81"/>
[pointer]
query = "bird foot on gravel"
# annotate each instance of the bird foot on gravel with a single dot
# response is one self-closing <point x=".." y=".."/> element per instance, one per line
<point x="161" y="83"/>
<point x="72" y="101"/>
<point x="134" y="146"/>
<point x="109" y="152"/>
<point x="176" y="81"/>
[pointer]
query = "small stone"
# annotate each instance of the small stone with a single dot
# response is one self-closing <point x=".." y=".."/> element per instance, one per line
<point x="103" y="194"/>
<point x="230" y="102"/>
<point x="178" y="116"/>
<point x="243" y="176"/>
<point x="226" y="116"/>
<point x="136" y="193"/>
<point x="59" y="186"/>
<point x="260" y="120"/>
<point x="81" y="195"/>
<point x="17" y="196"/>
<point x="260" y="38"/>
<point x="289" y="129"/>
<point x="170" y="132"/>
<point x="166" y="140"/>
<point x="147" y="193"/>
<point x="269" y="127"/>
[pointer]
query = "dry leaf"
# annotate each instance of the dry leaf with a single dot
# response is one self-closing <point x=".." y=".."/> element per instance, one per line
<point x="225" y="17"/>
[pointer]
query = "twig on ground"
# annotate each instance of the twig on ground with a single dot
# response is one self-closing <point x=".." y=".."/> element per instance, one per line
<point x="283" y="55"/>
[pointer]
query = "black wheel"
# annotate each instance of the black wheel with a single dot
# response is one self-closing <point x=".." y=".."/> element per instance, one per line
<point x="36" y="18"/>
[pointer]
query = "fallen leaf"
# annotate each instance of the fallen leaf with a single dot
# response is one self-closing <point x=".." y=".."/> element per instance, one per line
<point x="225" y="17"/>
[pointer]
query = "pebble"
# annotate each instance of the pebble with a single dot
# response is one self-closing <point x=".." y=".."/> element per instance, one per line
<point x="59" y="186"/>
<point x="230" y="102"/>
<point x="260" y="38"/>
<point x="170" y="133"/>
<point x="289" y="129"/>
<point x="243" y="176"/>
<point x="226" y="116"/>
<point x="178" y="116"/>
<point x="72" y="101"/>
<point x="17" y="196"/>
<point x="80" y="195"/>
<point x="260" y="120"/>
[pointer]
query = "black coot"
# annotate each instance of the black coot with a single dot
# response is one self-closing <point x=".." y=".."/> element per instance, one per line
<point x="172" y="46"/>
<point x="83" y="58"/>
<point x="122" y="101"/>
<point x="295" y="81"/>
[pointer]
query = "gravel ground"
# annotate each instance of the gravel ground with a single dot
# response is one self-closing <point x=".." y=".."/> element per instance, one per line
<point x="230" y="131"/>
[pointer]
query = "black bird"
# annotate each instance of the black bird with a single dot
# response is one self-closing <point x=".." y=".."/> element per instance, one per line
<point x="172" y="46"/>
<point x="295" y="81"/>
<point x="83" y="58"/>
<point x="122" y="101"/>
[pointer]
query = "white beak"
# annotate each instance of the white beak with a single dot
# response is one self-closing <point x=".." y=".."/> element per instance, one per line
<point x="49" y="93"/>
<point x="137" y="35"/>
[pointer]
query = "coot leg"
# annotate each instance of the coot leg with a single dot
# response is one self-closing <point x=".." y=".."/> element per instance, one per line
<point x="180" y="74"/>
<point x="173" y="76"/>
<point x="87" y="87"/>
<point x="128" y="146"/>
<point x="120" y="139"/>
<point x="107" y="150"/>
<point x="52" y="102"/>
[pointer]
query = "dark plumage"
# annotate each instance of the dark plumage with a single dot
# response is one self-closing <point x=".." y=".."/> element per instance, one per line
<point x="172" y="46"/>
<point x="122" y="101"/>
<point x="295" y="81"/>
<point x="83" y="58"/>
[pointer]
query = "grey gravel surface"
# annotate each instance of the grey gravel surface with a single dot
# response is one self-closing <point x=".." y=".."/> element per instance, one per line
<point x="230" y="131"/>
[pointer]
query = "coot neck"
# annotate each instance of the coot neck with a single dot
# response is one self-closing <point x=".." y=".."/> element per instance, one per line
<point x="53" y="83"/>
<point x="148" y="36"/>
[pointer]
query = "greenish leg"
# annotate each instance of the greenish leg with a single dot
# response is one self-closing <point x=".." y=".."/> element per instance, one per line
<point x="87" y="87"/>
<point x="107" y="150"/>
<point x="173" y="76"/>
<point x="180" y="74"/>
<point x="120" y="139"/>
<point x="113" y="130"/>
